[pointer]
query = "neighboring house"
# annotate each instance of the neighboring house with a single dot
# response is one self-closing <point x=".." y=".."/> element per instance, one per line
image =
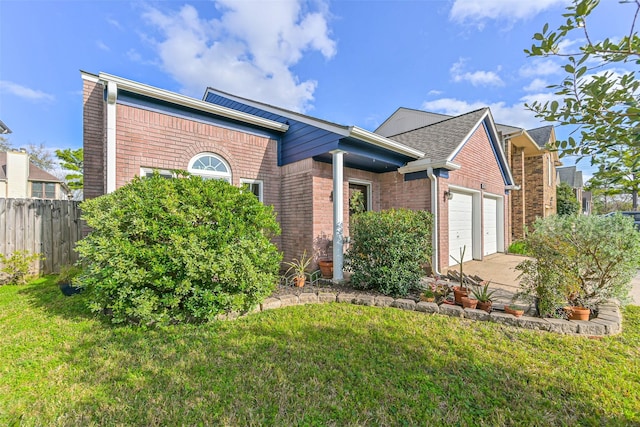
<point x="3" y="128"/>
<point x="573" y="177"/>
<point x="533" y="162"/>
<point x="303" y="166"/>
<point x="529" y="157"/>
<point x="20" y="179"/>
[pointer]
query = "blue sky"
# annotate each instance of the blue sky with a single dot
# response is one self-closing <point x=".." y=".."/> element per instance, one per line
<point x="350" y="62"/>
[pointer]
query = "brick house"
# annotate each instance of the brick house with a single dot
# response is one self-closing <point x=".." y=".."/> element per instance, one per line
<point x="530" y="157"/>
<point x="305" y="167"/>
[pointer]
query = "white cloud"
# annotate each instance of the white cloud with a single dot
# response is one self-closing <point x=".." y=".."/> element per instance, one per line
<point x="24" y="92"/>
<point x="476" y="78"/>
<point x="114" y="23"/>
<point x="102" y="46"/>
<point x="248" y="51"/>
<point x="536" y="85"/>
<point x="434" y="92"/>
<point x="512" y="115"/>
<point x="477" y="12"/>
<point x="540" y="67"/>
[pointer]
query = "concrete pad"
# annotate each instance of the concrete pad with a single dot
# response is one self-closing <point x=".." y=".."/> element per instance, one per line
<point x="635" y="290"/>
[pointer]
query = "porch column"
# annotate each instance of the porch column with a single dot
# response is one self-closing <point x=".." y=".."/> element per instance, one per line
<point x="338" y="214"/>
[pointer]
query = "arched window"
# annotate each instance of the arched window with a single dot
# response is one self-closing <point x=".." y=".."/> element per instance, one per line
<point x="210" y="166"/>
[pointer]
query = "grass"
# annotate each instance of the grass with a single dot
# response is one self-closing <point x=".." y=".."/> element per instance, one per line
<point x="333" y="364"/>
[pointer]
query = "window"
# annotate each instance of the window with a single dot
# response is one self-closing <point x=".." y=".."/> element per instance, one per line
<point x="43" y="190"/>
<point x="359" y="197"/>
<point x="253" y="185"/>
<point x="210" y="166"/>
<point x="145" y="172"/>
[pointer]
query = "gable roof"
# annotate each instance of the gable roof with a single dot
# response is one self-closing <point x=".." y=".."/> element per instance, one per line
<point x="406" y="119"/>
<point x="571" y="176"/>
<point x="35" y="173"/>
<point x="541" y="135"/>
<point x="441" y="140"/>
<point x="342" y="131"/>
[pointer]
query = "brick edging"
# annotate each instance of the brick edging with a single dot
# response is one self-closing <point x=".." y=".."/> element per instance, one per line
<point x="608" y="322"/>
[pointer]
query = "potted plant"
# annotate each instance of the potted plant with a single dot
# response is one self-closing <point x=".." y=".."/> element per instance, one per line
<point x="483" y="295"/>
<point x="576" y="309"/>
<point x="462" y="290"/>
<point x="428" y="295"/>
<point x="326" y="267"/>
<point x="299" y="269"/>
<point x="516" y="310"/>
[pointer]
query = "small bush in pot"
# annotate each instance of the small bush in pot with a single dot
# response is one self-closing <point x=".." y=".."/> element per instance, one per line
<point x="579" y="260"/>
<point x="298" y="268"/>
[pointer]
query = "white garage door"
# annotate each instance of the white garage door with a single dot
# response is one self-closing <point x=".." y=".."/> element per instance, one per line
<point x="490" y="225"/>
<point x="460" y="226"/>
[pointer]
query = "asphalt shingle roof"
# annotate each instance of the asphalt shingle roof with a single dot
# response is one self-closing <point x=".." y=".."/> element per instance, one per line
<point x="541" y="135"/>
<point x="440" y="139"/>
<point x="35" y="173"/>
<point x="571" y="176"/>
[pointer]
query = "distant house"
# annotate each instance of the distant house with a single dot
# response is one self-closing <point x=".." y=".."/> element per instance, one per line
<point x="533" y="160"/>
<point x="3" y="128"/>
<point x="21" y="179"/>
<point x="530" y="158"/>
<point x="305" y="167"/>
<point x="573" y="177"/>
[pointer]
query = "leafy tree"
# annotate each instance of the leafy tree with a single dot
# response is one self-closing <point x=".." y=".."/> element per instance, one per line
<point x="568" y="204"/>
<point x="619" y="173"/>
<point x="5" y="145"/>
<point x="596" y="95"/>
<point x="73" y="160"/>
<point x="39" y="155"/>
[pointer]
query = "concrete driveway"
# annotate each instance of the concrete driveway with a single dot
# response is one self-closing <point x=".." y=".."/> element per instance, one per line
<point x="501" y="270"/>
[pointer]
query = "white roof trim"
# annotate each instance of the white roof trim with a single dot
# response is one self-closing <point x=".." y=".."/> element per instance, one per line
<point x="425" y="164"/>
<point x="175" y="98"/>
<point x="467" y="136"/>
<point x="381" y="141"/>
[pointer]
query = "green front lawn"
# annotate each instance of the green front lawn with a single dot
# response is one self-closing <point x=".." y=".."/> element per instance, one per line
<point x="334" y="364"/>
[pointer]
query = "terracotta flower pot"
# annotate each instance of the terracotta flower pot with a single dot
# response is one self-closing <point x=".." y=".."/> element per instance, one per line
<point x="459" y="292"/>
<point x="510" y="310"/>
<point x="578" y="313"/>
<point x="326" y="267"/>
<point x="299" y="281"/>
<point x="427" y="299"/>
<point x="469" y="302"/>
<point x="486" y="306"/>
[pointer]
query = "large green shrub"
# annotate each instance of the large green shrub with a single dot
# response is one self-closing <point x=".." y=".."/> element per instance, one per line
<point x="172" y="250"/>
<point x="388" y="250"/>
<point x="580" y="260"/>
<point x="567" y="203"/>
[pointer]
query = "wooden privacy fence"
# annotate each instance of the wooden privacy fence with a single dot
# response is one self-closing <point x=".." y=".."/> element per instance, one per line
<point x="48" y="227"/>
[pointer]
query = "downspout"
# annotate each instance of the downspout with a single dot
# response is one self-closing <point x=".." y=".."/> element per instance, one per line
<point x="434" y="212"/>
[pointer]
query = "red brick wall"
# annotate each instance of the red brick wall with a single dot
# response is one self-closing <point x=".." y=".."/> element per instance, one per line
<point x="94" y="139"/>
<point x="296" y="215"/>
<point x="518" y="206"/>
<point x="478" y="166"/>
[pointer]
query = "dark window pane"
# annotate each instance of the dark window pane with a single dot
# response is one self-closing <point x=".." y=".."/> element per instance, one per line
<point x="36" y="189"/>
<point x="50" y="190"/>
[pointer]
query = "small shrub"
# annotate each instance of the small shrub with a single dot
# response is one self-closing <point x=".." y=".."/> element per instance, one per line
<point x="580" y="260"/>
<point x="17" y="268"/>
<point x="388" y="250"/>
<point x="518" y="247"/>
<point x="567" y="203"/>
<point x="174" y="250"/>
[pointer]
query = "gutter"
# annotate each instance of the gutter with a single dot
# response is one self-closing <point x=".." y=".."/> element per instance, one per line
<point x="175" y="98"/>
<point x="381" y="141"/>
<point x="434" y="211"/>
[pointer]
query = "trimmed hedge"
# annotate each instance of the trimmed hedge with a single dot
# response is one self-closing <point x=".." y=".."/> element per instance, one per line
<point x="173" y="250"/>
<point x="388" y="250"/>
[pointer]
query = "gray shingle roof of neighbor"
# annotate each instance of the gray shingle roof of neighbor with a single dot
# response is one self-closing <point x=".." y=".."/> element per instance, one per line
<point x="571" y="176"/>
<point x="541" y="135"/>
<point x="440" y="139"/>
<point x="4" y="128"/>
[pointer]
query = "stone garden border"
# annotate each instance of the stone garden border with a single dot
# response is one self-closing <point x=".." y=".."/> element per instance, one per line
<point x="608" y="322"/>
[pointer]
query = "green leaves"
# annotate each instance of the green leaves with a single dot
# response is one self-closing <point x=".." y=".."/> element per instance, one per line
<point x="389" y="249"/>
<point x="598" y="96"/>
<point x="178" y="250"/>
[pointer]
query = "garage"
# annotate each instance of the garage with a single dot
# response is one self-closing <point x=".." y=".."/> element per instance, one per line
<point x="460" y="226"/>
<point x="490" y="225"/>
